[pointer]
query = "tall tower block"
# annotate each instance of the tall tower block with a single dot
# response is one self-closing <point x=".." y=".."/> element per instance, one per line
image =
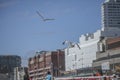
<point x="111" y="17"/>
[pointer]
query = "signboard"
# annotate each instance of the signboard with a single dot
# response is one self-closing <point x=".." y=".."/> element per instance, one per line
<point x="105" y="66"/>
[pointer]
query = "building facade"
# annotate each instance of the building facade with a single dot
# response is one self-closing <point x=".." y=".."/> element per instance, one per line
<point x="4" y="77"/>
<point x="53" y="61"/>
<point x="8" y="63"/>
<point x="76" y="58"/>
<point x="108" y="59"/>
<point x="21" y="73"/>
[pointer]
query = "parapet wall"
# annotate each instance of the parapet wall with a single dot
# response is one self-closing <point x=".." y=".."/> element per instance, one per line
<point x="90" y="37"/>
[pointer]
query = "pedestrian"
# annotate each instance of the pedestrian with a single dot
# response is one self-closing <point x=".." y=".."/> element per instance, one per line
<point x="114" y="77"/>
<point x="48" y="76"/>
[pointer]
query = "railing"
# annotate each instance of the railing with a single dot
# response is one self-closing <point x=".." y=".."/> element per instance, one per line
<point x="85" y="78"/>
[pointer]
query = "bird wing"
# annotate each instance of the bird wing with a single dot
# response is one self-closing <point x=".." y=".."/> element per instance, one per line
<point x="48" y="19"/>
<point x="40" y="15"/>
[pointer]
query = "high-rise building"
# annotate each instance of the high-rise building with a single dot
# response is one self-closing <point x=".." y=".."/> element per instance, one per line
<point x="8" y="63"/>
<point x="111" y="13"/>
<point x="111" y="18"/>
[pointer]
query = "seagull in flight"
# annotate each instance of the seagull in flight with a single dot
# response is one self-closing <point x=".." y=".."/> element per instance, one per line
<point x="44" y="19"/>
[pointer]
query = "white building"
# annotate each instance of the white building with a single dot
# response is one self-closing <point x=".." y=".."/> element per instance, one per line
<point x="76" y="58"/>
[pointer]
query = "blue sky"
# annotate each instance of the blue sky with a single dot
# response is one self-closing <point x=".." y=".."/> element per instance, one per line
<point x="22" y="31"/>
